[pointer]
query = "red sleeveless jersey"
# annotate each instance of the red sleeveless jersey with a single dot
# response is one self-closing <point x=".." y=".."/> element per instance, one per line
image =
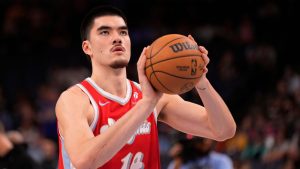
<point x="141" y="150"/>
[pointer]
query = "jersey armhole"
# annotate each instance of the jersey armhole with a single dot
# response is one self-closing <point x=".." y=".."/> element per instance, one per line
<point x="94" y="104"/>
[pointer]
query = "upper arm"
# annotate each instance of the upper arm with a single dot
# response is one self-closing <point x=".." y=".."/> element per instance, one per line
<point x="71" y="111"/>
<point x="184" y="116"/>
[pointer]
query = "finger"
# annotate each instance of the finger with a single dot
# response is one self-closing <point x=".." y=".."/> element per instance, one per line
<point x="142" y="57"/>
<point x="205" y="70"/>
<point x="191" y="37"/>
<point x="203" y="50"/>
<point x="205" y="58"/>
<point x="141" y="64"/>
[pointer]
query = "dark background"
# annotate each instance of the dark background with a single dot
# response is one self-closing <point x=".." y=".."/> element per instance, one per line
<point x="252" y="44"/>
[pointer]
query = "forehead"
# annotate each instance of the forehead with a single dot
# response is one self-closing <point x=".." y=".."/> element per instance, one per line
<point x="110" y="21"/>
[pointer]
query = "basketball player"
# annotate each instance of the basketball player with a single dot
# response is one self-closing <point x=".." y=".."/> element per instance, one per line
<point x="108" y="121"/>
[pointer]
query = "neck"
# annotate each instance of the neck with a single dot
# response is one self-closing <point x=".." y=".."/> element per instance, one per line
<point x="113" y="81"/>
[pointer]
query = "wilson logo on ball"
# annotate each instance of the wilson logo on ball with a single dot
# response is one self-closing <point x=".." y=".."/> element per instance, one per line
<point x="177" y="47"/>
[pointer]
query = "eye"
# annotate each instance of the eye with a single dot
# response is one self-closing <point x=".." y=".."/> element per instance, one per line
<point x="104" y="33"/>
<point x="124" y="33"/>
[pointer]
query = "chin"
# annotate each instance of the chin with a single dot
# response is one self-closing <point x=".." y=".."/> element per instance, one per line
<point x="119" y="64"/>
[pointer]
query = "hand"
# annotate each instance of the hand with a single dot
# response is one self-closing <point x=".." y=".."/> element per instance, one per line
<point x="148" y="91"/>
<point x="15" y="137"/>
<point x="204" y="53"/>
<point x="5" y="144"/>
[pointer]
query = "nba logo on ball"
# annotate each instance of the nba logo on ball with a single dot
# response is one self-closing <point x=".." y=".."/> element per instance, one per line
<point x="194" y="67"/>
<point x="174" y="64"/>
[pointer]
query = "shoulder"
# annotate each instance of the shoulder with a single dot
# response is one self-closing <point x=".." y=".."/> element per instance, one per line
<point x="71" y="97"/>
<point x="218" y="155"/>
<point x="72" y="93"/>
<point x="171" y="165"/>
<point x="220" y="158"/>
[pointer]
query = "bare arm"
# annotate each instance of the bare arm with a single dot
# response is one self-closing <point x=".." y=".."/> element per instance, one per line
<point x="86" y="150"/>
<point x="213" y="121"/>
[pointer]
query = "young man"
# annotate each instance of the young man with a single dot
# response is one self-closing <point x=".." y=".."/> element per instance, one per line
<point x="108" y="121"/>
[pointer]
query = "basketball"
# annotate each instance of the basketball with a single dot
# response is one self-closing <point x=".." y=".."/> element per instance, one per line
<point x="174" y="64"/>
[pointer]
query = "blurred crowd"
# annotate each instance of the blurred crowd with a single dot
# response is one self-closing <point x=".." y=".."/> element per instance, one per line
<point x="253" y="67"/>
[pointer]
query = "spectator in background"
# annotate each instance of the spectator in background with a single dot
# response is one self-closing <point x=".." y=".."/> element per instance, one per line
<point x="5" y="116"/>
<point x="13" y="154"/>
<point x="198" y="153"/>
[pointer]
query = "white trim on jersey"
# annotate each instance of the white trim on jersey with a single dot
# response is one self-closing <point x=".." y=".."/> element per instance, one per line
<point x="138" y="85"/>
<point x="94" y="104"/>
<point x="110" y="96"/>
<point x="155" y="114"/>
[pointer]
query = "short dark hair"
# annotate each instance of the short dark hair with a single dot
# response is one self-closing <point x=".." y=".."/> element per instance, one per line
<point x="98" y="11"/>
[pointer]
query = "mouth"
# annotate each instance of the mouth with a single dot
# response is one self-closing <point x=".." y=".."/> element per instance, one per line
<point x="118" y="49"/>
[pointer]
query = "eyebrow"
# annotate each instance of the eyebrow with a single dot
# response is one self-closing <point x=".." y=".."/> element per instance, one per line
<point x="108" y="27"/>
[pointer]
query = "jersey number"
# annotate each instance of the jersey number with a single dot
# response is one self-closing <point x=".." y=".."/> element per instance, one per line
<point x="137" y="162"/>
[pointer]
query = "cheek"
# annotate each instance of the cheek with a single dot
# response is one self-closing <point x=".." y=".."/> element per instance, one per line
<point x="127" y="42"/>
<point x="100" y="50"/>
<point x="128" y="47"/>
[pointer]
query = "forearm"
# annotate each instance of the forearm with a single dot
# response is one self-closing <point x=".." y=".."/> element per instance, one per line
<point x="219" y="117"/>
<point x="100" y="149"/>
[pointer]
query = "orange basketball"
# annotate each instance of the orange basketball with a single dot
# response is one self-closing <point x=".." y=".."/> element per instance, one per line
<point x="174" y="64"/>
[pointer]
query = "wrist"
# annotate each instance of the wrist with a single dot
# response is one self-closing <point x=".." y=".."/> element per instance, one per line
<point x="202" y="84"/>
<point x="148" y="103"/>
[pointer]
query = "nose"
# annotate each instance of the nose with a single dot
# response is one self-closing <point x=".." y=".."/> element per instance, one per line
<point x="117" y="41"/>
<point x="116" y="38"/>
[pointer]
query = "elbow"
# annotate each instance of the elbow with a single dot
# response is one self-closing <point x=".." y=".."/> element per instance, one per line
<point x="80" y="162"/>
<point x="230" y="132"/>
<point x="227" y="134"/>
<point x="87" y="161"/>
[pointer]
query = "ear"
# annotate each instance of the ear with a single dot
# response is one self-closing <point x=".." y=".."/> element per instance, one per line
<point x="86" y="47"/>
